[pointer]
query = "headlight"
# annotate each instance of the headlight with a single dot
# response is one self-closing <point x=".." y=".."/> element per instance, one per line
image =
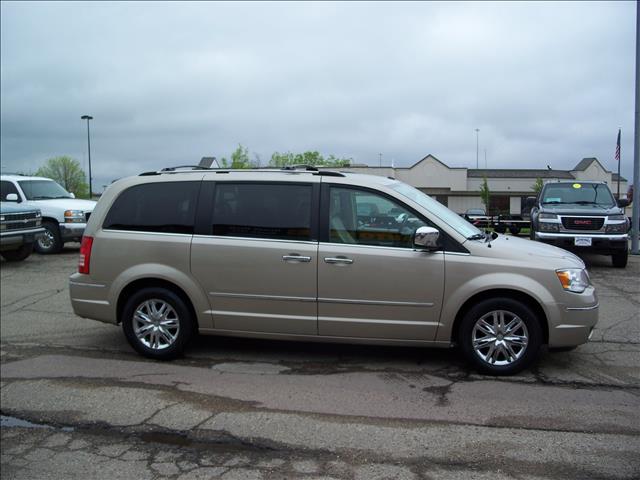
<point x="616" y="228"/>
<point x="574" y="279"/>
<point x="73" y="216"/>
<point x="548" y="216"/>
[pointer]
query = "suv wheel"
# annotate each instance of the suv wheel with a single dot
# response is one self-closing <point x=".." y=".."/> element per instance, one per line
<point x="20" y="254"/>
<point x="619" y="260"/>
<point x="49" y="241"/>
<point x="157" y="323"/>
<point x="500" y="336"/>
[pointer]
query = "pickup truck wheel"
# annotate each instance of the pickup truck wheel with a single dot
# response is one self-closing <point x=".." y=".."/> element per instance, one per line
<point x="619" y="260"/>
<point x="18" y="255"/>
<point x="500" y="336"/>
<point x="157" y="323"/>
<point x="49" y="241"/>
<point x="514" y="230"/>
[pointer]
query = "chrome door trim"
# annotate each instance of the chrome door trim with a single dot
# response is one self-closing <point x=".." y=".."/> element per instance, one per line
<point x="262" y="297"/>
<point x="379" y="322"/>
<point x="376" y="302"/>
<point x="255" y="239"/>
<point x="231" y="313"/>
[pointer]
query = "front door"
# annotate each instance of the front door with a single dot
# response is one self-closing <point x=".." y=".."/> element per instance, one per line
<point x="258" y="262"/>
<point x="371" y="282"/>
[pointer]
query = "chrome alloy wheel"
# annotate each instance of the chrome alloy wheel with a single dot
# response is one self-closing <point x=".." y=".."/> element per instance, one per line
<point x="156" y="324"/>
<point x="499" y="337"/>
<point x="46" y="240"/>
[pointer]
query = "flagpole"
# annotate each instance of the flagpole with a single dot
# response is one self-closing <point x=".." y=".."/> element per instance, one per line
<point x="635" y="232"/>
<point x="619" y="159"/>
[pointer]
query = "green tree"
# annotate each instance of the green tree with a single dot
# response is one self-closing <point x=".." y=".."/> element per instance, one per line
<point x="239" y="159"/>
<point x="68" y="173"/>
<point x="314" y="158"/>
<point x="537" y="187"/>
<point x="485" y="193"/>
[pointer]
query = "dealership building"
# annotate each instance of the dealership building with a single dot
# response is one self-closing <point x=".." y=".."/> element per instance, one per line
<point x="459" y="187"/>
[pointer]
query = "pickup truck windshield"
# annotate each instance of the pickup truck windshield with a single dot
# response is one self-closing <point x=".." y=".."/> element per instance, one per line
<point x="42" y="190"/>
<point x="578" y="193"/>
<point x="436" y="208"/>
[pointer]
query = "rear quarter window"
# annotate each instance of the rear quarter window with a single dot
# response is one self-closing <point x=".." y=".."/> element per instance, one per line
<point x="155" y="207"/>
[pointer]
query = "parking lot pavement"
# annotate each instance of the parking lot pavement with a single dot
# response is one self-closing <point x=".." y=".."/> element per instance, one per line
<point x="237" y="408"/>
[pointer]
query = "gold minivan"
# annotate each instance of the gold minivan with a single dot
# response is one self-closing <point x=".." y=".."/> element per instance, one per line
<point x="302" y="254"/>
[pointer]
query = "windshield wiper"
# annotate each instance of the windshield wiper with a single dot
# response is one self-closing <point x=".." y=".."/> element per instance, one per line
<point x="585" y="202"/>
<point x="62" y="196"/>
<point x="41" y="197"/>
<point x="477" y="236"/>
<point x="554" y="202"/>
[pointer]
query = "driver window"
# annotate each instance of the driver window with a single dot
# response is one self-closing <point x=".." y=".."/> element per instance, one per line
<point x="365" y="218"/>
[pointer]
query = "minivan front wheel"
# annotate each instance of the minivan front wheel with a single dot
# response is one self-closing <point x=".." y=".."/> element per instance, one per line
<point x="500" y="336"/>
<point x="157" y="323"/>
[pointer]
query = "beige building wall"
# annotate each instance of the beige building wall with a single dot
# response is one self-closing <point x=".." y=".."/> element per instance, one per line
<point x="460" y="204"/>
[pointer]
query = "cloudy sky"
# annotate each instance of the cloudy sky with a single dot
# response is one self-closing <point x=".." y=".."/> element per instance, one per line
<point x="546" y="83"/>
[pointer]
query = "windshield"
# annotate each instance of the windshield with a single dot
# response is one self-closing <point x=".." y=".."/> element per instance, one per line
<point x="578" y="193"/>
<point x="475" y="211"/>
<point x="436" y="208"/>
<point x="42" y="189"/>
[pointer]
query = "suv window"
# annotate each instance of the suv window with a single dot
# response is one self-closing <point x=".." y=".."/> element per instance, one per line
<point x="277" y="211"/>
<point x="6" y="188"/>
<point x="365" y="218"/>
<point x="155" y="207"/>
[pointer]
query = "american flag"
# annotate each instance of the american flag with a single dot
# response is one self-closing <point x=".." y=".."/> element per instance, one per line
<point x="618" y="147"/>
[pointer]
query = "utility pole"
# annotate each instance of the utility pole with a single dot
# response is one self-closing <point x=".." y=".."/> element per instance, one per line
<point x="477" y="145"/>
<point x="87" y="118"/>
<point x="635" y="216"/>
<point x="485" y="158"/>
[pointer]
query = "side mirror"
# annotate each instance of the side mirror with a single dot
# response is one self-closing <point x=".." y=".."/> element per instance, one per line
<point x="623" y="202"/>
<point x="73" y="195"/>
<point x="530" y="202"/>
<point x="426" y="237"/>
<point x="12" y="197"/>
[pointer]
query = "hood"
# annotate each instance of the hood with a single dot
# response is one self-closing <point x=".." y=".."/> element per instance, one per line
<point x="528" y="252"/>
<point x="575" y="209"/>
<point x="65" y="204"/>
<point x="12" y="207"/>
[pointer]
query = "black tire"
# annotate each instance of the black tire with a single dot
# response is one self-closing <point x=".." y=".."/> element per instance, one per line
<point x="50" y="241"/>
<point x="500" y="228"/>
<point x="18" y="255"/>
<point x="523" y="356"/>
<point x="514" y="230"/>
<point x="619" y="260"/>
<point x="183" y="318"/>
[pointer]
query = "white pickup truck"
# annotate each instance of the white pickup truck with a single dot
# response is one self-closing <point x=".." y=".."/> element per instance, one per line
<point x="64" y="217"/>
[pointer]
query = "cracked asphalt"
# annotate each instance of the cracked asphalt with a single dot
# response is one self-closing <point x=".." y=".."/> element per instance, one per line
<point x="78" y="403"/>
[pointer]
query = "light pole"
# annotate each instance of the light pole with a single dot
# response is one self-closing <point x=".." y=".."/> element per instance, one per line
<point x="87" y="118"/>
<point x="477" y="143"/>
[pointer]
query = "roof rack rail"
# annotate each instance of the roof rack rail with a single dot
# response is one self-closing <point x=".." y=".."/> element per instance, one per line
<point x="308" y="168"/>
<point x="192" y="167"/>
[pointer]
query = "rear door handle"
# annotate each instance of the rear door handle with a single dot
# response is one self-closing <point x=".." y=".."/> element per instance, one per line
<point x="296" y="258"/>
<point x="338" y="260"/>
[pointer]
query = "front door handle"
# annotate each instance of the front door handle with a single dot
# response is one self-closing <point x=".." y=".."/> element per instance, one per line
<point x="338" y="260"/>
<point x="296" y="258"/>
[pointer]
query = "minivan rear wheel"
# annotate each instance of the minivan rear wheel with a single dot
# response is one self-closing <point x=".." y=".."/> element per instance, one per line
<point x="157" y="323"/>
<point x="500" y="336"/>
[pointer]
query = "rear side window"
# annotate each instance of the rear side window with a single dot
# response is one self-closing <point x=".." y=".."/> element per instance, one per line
<point x="278" y="211"/>
<point x="155" y="207"/>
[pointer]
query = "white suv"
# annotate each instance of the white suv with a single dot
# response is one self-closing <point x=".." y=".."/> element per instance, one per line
<point x="64" y="217"/>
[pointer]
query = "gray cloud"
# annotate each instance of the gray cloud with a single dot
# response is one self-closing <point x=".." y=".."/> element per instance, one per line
<point x="546" y="83"/>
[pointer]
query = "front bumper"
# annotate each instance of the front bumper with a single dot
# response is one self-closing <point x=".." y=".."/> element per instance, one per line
<point x="576" y="319"/>
<point x="14" y="239"/>
<point x="605" y="244"/>
<point x="72" y="231"/>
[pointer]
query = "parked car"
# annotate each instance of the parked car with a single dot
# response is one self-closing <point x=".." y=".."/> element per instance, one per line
<point x="583" y="217"/>
<point x="19" y="229"/>
<point x="64" y="217"/>
<point x="285" y="254"/>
